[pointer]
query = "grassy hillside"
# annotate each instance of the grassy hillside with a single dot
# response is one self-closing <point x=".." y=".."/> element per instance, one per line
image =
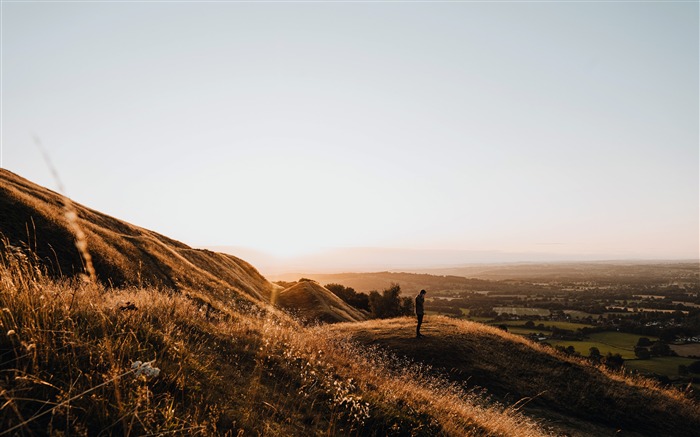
<point x="125" y="255"/>
<point x="571" y="392"/>
<point x="72" y="355"/>
<point x="165" y="339"/>
<point x="312" y="302"/>
<point x="122" y="254"/>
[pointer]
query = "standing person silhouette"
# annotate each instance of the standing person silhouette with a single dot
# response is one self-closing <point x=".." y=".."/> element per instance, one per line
<point x="420" y="300"/>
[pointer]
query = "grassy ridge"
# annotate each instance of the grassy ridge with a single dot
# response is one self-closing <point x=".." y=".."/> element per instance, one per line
<point x="122" y="254"/>
<point x="68" y="350"/>
<point x="189" y="345"/>
<point x="511" y="368"/>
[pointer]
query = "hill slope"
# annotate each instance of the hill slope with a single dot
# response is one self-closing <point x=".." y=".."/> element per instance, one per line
<point x="315" y="303"/>
<point x="72" y="353"/>
<point x="122" y="254"/>
<point x="75" y="360"/>
<point x="581" y="398"/>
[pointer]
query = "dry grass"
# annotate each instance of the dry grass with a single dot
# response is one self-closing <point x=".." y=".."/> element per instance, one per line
<point x="314" y="303"/>
<point x="67" y="349"/>
<point x="121" y="254"/>
<point x="189" y="346"/>
<point x="572" y="392"/>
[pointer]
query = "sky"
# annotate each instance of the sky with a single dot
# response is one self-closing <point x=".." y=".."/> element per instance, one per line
<point x="530" y="129"/>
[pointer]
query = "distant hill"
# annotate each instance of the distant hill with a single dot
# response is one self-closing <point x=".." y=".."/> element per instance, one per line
<point x="315" y="303"/>
<point x="601" y="271"/>
<point x="411" y="283"/>
<point x="501" y="277"/>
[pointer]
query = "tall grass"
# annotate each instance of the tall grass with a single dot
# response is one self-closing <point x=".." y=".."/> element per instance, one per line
<point x="68" y="365"/>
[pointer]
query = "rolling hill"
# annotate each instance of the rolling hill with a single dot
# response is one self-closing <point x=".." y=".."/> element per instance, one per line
<point x="314" y="303"/>
<point x="134" y="353"/>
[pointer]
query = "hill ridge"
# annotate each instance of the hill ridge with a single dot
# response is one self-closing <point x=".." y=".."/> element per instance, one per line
<point x="123" y="254"/>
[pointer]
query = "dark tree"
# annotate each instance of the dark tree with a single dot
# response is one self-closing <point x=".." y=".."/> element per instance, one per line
<point x="694" y="367"/>
<point x="389" y="303"/>
<point x="350" y="296"/>
<point x="613" y="361"/>
<point x="660" y="349"/>
<point x="642" y="353"/>
<point x="643" y="342"/>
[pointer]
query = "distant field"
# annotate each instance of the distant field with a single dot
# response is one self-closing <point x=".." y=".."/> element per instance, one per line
<point x="567" y="325"/>
<point x="524" y="331"/>
<point x="613" y="342"/>
<point x="687" y="350"/>
<point x="479" y="319"/>
<point x="520" y="311"/>
<point x="549" y="324"/>
<point x="576" y="314"/>
<point x="583" y="347"/>
<point x="619" y="339"/>
<point x="661" y="365"/>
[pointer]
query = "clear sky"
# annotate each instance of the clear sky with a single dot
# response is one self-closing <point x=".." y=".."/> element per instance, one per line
<point x="563" y="128"/>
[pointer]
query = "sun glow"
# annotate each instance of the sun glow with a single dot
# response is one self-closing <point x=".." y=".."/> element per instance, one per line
<point x="284" y="250"/>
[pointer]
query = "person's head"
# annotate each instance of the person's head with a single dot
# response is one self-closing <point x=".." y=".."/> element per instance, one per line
<point x="423" y="292"/>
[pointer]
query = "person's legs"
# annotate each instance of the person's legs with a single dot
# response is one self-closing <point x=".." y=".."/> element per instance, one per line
<point x="420" y="322"/>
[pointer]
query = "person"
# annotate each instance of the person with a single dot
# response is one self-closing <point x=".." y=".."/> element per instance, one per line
<point x="420" y="300"/>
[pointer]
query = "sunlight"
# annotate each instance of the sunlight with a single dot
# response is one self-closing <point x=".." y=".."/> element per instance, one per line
<point x="285" y="249"/>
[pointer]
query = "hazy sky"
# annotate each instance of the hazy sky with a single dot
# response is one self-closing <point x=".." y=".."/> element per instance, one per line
<point x="529" y="127"/>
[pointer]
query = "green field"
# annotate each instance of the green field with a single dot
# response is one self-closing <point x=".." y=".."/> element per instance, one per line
<point x="523" y="331"/>
<point x="613" y="342"/>
<point x="583" y="347"/>
<point x="479" y="319"/>
<point x="575" y="314"/>
<point x="547" y="324"/>
<point x="521" y="311"/>
<point x="619" y="339"/>
<point x="660" y="365"/>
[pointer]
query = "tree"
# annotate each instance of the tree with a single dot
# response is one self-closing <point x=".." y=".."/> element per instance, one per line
<point x="350" y="296"/>
<point x="660" y="349"/>
<point x="643" y="342"/>
<point x="642" y="353"/>
<point x="594" y="353"/>
<point x="389" y="303"/>
<point x="407" y="306"/>
<point x="613" y="361"/>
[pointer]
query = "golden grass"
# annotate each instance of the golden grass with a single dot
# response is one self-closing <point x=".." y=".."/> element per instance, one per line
<point x="189" y="346"/>
<point x="121" y="254"/>
<point x="67" y="349"/>
<point x="314" y="303"/>
<point x="570" y="391"/>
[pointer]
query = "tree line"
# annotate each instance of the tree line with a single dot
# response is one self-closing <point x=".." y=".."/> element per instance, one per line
<point x="389" y="303"/>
